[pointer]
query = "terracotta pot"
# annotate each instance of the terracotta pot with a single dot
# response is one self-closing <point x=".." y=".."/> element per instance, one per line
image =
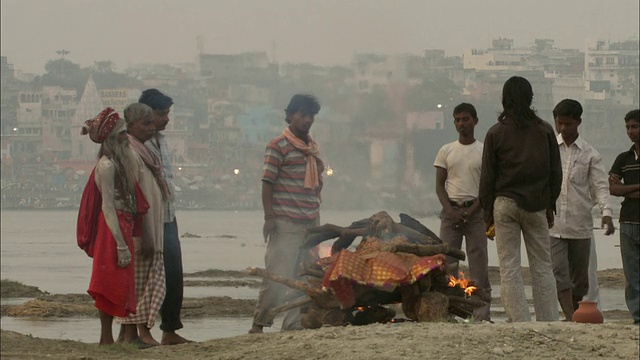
<point x="588" y="312"/>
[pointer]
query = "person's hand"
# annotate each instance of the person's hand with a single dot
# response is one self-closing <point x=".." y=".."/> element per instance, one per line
<point x="607" y="224"/>
<point x="614" y="180"/>
<point x="124" y="256"/>
<point x="550" y="219"/>
<point x="269" y="229"/>
<point x="488" y="224"/>
<point x="490" y="231"/>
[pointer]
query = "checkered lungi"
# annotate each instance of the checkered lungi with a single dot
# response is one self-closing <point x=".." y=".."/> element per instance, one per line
<point x="150" y="290"/>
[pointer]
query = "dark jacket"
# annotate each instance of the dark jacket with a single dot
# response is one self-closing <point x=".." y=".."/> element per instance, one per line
<point x="521" y="163"/>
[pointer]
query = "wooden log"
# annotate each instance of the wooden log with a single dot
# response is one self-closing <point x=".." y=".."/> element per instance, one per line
<point x="414" y="236"/>
<point x="432" y="307"/>
<point x="425" y="250"/>
<point x="294" y="284"/>
<point x="314" y="318"/>
<point x="460" y="311"/>
<point x="311" y="272"/>
<point x="416" y="225"/>
<point x="466" y="301"/>
<point x="410" y="295"/>
<point x="325" y="232"/>
<point x="380" y="225"/>
<point x="288" y="306"/>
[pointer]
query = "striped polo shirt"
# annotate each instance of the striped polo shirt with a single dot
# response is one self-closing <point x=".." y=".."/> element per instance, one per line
<point x="285" y="167"/>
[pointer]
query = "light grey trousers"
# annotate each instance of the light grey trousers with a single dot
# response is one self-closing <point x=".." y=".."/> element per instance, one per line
<point x="594" y="291"/>
<point x="510" y="222"/>
<point x="283" y="257"/>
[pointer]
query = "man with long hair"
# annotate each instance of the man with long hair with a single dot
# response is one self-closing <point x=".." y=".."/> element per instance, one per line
<point x="520" y="182"/>
<point x="105" y="229"/>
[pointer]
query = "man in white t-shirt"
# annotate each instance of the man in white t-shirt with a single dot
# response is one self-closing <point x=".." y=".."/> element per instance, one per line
<point x="458" y="166"/>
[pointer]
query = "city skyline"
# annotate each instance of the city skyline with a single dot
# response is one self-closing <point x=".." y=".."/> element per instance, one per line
<point x="321" y="32"/>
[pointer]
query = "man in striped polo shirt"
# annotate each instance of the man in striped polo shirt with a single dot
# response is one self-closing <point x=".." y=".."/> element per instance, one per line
<point x="624" y="181"/>
<point x="291" y="184"/>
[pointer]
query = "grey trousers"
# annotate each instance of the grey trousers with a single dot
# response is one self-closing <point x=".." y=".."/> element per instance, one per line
<point x="511" y="221"/>
<point x="283" y="257"/>
<point x="570" y="259"/>
<point x="477" y="254"/>
<point x="594" y="291"/>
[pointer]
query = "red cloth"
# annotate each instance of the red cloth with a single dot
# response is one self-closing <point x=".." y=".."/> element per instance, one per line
<point x="101" y="126"/>
<point x="371" y="266"/>
<point x="112" y="287"/>
<point x="91" y="209"/>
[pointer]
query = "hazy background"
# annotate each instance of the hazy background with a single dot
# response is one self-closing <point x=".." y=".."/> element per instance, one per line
<point x="321" y="32"/>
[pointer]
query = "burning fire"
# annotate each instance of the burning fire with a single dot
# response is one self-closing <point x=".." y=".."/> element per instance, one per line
<point x="323" y="250"/>
<point x="462" y="283"/>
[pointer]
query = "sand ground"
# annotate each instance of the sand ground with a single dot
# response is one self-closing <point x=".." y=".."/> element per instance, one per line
<point x="616" y="339"/>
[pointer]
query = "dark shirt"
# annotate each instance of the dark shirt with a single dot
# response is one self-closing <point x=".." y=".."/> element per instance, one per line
<point x="521" y="163"/>
<point x="627" y="167"/>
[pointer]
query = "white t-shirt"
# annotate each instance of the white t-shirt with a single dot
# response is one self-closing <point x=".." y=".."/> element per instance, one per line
<point x="463" y="164"/>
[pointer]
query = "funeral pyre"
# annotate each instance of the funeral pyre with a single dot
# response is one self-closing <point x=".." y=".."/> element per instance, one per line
<point x="394" y="263"/>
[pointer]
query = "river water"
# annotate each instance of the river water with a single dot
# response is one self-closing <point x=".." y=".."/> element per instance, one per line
<point x="39" y="248"/>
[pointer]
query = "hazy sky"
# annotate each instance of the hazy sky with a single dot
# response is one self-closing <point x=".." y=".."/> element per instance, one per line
<point x="317" y="31"/>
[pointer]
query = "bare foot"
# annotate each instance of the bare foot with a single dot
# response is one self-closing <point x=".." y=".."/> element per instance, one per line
<point x="128" y="334"/>
<point x="255" y="329"/>
<point x="106" y="341"/>
<point x="171" y="338"/>
<point x="145" y="335"/>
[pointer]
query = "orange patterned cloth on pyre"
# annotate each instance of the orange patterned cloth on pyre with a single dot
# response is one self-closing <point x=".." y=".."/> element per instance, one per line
<point x="371" y="265"/>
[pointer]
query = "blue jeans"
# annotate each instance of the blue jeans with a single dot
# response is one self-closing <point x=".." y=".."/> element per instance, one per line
<point x="630" y="249"/>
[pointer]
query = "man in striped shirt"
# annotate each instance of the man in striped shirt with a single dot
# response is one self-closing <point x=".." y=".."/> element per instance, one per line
<point x="291" y="184"/>
<point x="624" y="181"/>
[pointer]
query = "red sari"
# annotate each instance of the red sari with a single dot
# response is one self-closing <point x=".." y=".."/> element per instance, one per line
<point x="112" y="287"/>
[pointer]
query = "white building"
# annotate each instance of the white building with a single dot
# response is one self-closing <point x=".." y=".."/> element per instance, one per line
<point x="611" y="71"/>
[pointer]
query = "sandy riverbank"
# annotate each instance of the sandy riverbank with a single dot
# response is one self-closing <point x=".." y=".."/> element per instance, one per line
<point x="558" y="340"/>
<point x="616" y="339"/>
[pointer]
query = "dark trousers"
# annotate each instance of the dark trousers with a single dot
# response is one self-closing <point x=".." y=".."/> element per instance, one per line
<point x="170" y="310"/>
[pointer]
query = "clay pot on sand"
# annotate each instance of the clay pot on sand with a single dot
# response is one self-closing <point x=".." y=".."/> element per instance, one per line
<point x="588" y="312"/>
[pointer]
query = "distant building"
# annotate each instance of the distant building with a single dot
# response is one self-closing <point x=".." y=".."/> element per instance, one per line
<point x="8" y="97"/>
<point x="29" y="124"/>
<point x="379" y="70"/>
<point x="611" y="71"/>
<point x="90" y="105"/>
<point x="58" y="107"/>
<point x="119" y="98"/>
<point x="245" y="68"/>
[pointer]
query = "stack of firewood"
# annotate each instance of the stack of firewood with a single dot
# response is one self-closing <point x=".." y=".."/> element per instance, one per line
<point x="430" y="298"/>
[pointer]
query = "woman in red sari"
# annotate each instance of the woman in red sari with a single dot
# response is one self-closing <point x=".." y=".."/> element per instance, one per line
<point x="110" y="206"/>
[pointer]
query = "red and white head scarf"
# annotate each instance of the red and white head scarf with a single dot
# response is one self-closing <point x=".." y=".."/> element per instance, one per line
<point x="101" y="126"/>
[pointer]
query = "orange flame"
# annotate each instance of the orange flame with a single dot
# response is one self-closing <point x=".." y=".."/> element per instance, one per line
<point x="462" y="283"/>
<point x="323" y="250"/>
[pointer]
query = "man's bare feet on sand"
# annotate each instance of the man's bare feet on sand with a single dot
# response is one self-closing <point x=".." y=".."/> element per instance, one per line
<point x="255" y="329"/>
<point x="145" y="335"/>
<point x="128" y="334"/>
<point x="171" y="338"/>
